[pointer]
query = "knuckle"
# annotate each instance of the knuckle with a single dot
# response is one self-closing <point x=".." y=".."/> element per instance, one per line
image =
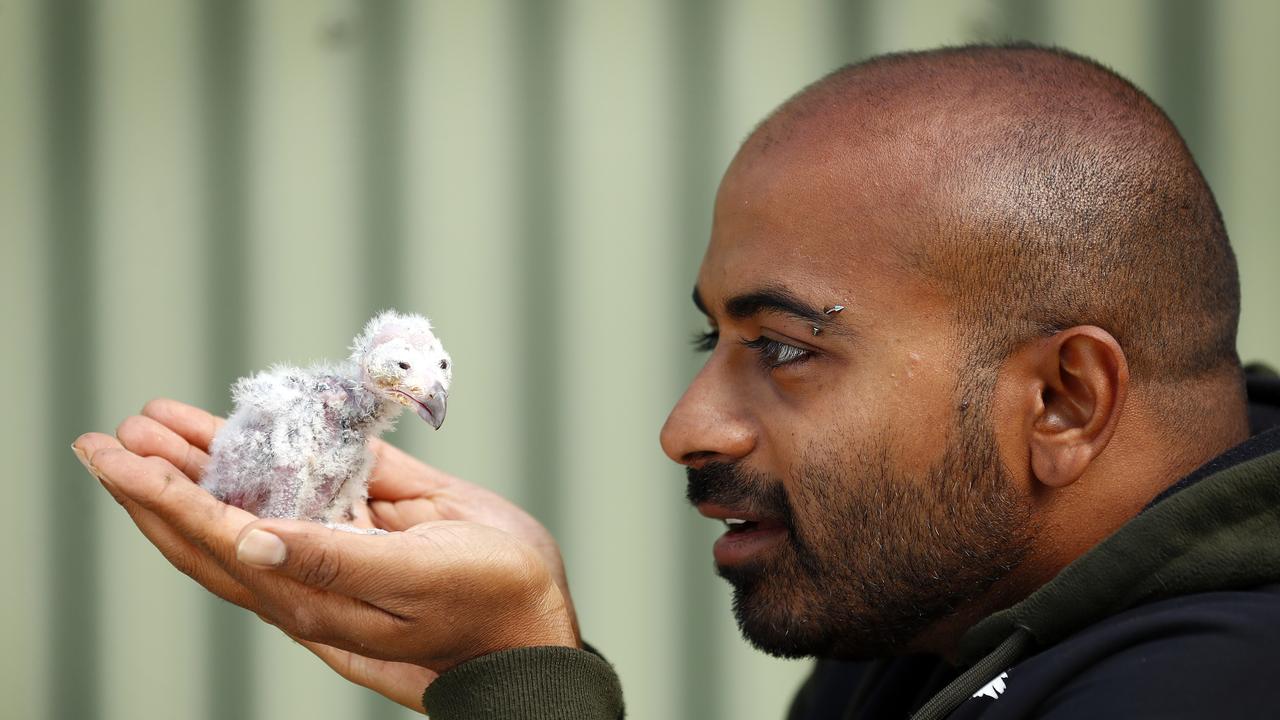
<point x="526" y="568"/>
<point x="189" y="464"/>
<point x="304" y="622"/>
<point x="168" y="482"/>
<point x="307" y="620"/>
<point x="318" y="567"/>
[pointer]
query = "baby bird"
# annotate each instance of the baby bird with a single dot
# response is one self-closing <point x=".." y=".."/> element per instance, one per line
<point x="297" y="444"/>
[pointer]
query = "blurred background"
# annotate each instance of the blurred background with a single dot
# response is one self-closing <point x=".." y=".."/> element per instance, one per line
<point x="192" y="190"/>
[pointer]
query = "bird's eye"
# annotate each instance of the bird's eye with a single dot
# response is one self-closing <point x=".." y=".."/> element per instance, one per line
<point x="403" y="365"/>
<point x="444" y="364"/>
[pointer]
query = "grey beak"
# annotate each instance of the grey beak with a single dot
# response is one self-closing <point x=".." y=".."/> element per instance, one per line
<point x="432" y="409"/>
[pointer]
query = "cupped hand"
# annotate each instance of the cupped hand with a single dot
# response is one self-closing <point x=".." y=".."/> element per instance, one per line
<point x="385" y="611"/>
<point x="403" y="491"/>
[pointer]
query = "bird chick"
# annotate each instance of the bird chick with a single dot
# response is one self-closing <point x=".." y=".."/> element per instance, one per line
<point x="297" y="443"/>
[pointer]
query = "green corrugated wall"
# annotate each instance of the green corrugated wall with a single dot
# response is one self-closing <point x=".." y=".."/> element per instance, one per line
<point x="191" y="190"/>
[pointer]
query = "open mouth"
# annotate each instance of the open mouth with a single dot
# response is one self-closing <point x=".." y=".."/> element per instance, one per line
<point x="738" y="526"/>
<point x="747" y="537"/>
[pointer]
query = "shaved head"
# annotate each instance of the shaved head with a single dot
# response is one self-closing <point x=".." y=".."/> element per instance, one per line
<point x="1048" y="192"/>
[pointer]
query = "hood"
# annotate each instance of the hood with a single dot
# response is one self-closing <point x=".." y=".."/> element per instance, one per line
<point x="1217" y="529"/>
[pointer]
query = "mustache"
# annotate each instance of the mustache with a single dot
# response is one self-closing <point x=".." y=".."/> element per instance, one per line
<point x="733" y="486"/>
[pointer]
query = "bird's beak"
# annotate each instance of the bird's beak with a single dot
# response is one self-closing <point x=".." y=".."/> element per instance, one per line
<point x="432" y="409"/>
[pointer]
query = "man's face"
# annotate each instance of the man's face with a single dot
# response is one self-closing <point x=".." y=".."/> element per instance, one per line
<point x="862" y="456"/>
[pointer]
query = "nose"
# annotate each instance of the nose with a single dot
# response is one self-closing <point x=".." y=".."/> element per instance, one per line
<point x="708" y="423"/>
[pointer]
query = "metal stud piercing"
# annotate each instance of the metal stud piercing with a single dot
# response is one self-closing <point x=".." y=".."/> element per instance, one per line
<point x="816" y="329"/>
<point x="833" y="309"/>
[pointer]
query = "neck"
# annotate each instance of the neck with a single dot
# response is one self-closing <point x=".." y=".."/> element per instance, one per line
<point x="372" y="412"/>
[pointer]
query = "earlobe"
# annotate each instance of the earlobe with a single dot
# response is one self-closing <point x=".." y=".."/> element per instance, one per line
<point x="1083" y="380"/>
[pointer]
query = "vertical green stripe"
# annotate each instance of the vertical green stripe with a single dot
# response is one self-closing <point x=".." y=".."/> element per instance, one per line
<point x="67" y="28"/>
<point x="1185" y="64"/>
<point x="381" y="145"/>
<point x="851" y="25"/>
<point x="539" y="102"/>
<point x="1023" y="19"/>
<point x="697" y="84"/>
<point x="223" y="65"/>
<point x="381" y="148"/>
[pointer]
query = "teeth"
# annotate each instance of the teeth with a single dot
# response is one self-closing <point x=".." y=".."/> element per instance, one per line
<point x="734" y="521"/>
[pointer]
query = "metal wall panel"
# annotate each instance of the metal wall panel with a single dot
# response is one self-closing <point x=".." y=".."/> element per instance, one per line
<point x="192" y="190"/>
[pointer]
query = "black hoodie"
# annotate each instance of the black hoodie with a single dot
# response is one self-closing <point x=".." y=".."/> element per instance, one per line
<point x="1175" y="615"/>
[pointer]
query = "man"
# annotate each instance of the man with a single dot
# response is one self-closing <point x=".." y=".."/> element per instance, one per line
<point x="972" y="415"/>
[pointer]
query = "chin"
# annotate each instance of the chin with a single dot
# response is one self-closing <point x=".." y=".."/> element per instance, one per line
<point x="773" y="616"/>
<point x="789" y="615"/>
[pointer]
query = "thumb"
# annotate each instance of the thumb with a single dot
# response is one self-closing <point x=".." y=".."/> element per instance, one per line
<point x="317" y="556"/>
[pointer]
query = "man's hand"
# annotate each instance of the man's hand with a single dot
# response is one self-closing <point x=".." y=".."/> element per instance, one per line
<point x="385" y="611"/>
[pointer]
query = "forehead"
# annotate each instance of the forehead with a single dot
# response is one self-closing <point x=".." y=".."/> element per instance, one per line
<point x="413" y="335"/>
<point x="831" y="226"/>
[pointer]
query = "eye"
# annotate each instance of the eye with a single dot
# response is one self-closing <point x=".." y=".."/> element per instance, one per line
<point x="774" y="354"/>
<point x="444" y="364"/>
<point x="403" y="365"/>
<point x="705" y="341"/>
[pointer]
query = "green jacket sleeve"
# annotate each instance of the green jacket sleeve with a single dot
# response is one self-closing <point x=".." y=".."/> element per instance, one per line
<point x="546" y="683"/>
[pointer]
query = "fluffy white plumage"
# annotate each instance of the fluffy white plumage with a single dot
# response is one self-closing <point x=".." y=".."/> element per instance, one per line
<point x="296" y="445"/>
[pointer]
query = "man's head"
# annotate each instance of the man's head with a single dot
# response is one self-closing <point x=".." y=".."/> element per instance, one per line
<point x="1023" y="248"/>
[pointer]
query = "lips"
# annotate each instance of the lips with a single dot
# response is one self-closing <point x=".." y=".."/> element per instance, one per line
<point x="733" y="516"/>
<point x="749" y="533"/>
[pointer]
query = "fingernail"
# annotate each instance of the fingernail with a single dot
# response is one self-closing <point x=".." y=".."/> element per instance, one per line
<point x="261" y="548"/>
<point x="84" y="460"/>
<point x="82" y="457"/>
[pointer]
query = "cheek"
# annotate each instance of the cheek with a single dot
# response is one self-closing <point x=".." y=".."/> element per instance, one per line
<point x="900" y="403"/>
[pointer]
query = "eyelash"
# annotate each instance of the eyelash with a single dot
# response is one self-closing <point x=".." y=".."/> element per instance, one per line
<point x="705" y="341"/>
<point x="772" y="353"/>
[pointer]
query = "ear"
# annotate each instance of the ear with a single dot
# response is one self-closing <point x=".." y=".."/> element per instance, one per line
<point x="1080" y="379"/>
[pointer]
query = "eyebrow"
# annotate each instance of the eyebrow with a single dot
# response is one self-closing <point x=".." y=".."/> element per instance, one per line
<point x="768" y="299"/>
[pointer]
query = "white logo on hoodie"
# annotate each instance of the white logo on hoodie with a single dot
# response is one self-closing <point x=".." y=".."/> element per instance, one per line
<point x="993" y="689"/>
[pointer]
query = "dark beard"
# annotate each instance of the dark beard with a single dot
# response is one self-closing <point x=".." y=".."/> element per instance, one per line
<point x="872" y="556"/>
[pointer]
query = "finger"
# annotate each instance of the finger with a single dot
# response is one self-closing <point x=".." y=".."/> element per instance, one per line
<point x="146" y="436"/>
<point x="404" y="514"/>
<point x="182" y="554"/>
<point x="321" y="576"/>
<point x="213" y="527"/>
<point x="86" y="446"/>
<point x="398" y="475"/>
<point x="193" y="424"/>
<point x="323" y="558"/>
<point x="157" y="486"/>
<point x="403" y="683"/>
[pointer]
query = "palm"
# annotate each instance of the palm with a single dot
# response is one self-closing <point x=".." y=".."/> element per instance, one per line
<point x="404" y="492"/>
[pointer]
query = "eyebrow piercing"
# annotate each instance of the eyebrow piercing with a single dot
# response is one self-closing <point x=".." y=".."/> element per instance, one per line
<point x="816" y="329"/>
<point x="832" y="310"/>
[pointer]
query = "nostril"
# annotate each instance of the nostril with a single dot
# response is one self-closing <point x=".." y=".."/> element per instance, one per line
<point x="403" y="365"/>
<point x="698" y="457"/>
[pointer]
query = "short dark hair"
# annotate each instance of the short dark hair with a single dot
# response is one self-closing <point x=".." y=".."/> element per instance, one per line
<point x="1079" y="203"/>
